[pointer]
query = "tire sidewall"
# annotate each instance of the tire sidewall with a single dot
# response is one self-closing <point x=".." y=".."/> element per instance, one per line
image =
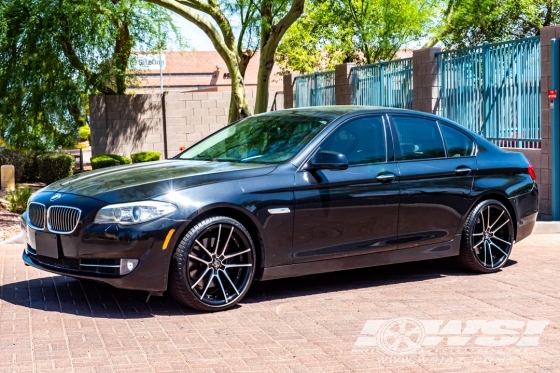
<point x="181" y="291"/>
<point x="467" y="250"/>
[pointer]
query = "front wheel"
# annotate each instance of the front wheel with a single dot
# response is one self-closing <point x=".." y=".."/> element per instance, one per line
<point x="487" y="238"/>
<point x="213" y="265"/>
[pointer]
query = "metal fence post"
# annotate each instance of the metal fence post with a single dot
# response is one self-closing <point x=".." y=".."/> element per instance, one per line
<point x="382" y="84"/>
<point x="555" y="130"/>
<point x="316" y="98"/>
<point x="486" y="87"/>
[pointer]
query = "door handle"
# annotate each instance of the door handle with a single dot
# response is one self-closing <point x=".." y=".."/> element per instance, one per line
<point x="385" y="177"/>
<point x="462" y="170"/>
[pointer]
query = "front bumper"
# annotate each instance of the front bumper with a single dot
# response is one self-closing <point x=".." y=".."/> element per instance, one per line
<point x="96" y="252"/>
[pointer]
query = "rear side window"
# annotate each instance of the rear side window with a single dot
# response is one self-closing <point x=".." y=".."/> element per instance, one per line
<point x="457" y="143"/>
<point x="419" y="138"/>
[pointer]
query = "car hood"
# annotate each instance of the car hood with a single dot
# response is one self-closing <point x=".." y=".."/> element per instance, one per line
<point x="146" y="180"/>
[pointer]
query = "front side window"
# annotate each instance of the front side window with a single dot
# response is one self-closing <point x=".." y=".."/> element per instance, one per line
<point x="271" y="138"/>
<point x="457" y="143"/>
<point x="361" y="140"/>
<point x="419" y="138"/>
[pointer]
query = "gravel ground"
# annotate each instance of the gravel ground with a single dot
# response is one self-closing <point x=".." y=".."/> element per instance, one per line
<point x="9" y="221"/>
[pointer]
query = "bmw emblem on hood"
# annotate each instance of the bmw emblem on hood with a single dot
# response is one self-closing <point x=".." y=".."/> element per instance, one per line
<point x="56" y="196"/>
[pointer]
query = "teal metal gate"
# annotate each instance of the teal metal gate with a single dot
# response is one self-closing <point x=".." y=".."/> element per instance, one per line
<point x="383" y="84"/>
<point x="494" y="90"/>
<point x="317" y="89"/>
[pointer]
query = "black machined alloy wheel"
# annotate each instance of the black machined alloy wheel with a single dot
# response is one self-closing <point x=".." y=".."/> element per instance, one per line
<point x="487" y="237"/>
<point x="213" y="266"/>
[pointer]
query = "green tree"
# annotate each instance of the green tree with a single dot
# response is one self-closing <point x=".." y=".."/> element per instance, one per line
<point x="55" y="53"/>
<point x="361" y="31"/>
<point x="269" y="18"/>
<point x="472" y="22"/>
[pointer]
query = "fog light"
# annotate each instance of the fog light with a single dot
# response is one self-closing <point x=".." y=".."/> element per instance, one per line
<point x="127" y="266"/>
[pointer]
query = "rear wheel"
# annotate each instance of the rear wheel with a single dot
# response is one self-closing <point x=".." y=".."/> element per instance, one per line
<point x="213" y="265"/>
<point x="487" y="238"/>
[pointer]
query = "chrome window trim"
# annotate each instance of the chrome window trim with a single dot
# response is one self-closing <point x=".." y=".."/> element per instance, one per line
<point x="29" y="224"/>
<point x="65" y="207"/>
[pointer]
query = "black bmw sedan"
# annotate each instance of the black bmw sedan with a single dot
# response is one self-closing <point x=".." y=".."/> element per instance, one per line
<point x="287" y="193"/>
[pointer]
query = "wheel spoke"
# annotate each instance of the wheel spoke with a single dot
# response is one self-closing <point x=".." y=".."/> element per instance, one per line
<point x="483" y="223"/>
<point x="237" y="265"/>
<point x="203" y="248"/>
<point x="222" y="286"/>
<point x="207" y="285"/>
<point x="491" y="258"/>
<point x="231" y="282"/>
<point x="485" y="254"/>
<point x="504" y="241"/>
<point x="227" y="242"/>
<point x="197" y="258"/>
<point x="488" y="221"/>
<point x="236" y="254"/>
<point x="201" y="277"/>
<point x="481" y="241"/>
<point x="497" y="247"/>
<point x="477" y="234"/>
<point x="497" y="220"/>
<point x="500" y="227"/>
<point x="218" y="239"/>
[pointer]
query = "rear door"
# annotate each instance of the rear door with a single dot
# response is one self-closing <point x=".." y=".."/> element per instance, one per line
<point x="437" y="167"/>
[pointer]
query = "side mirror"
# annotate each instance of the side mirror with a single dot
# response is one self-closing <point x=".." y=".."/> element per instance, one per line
<point x="327" y="160"/>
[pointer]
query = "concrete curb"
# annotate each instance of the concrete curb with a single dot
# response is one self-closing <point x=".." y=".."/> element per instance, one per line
<point x="13" y="240"/>
<point x="547" y="227"/>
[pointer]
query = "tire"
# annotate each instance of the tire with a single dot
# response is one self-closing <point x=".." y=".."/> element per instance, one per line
<point x="487" y="238"/>
<point x="207" y="274"/>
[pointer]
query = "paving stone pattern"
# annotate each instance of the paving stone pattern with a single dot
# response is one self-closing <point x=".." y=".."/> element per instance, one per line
<point x="51" y="323"/>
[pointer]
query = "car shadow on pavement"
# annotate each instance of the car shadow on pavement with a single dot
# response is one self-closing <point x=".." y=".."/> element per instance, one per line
<point x="93" y="299"/>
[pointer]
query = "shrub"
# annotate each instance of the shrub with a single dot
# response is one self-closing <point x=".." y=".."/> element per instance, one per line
<point x="55" y="166"/>
<point x="25" y="164"/>
<point x="108" y="160"/>
<point x="84" y="133"/>
<point x="17" y="199"/>
<point x="145" y="157"/>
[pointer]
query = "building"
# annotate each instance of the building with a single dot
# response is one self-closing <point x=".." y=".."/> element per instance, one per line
<point x="192" y="71"/>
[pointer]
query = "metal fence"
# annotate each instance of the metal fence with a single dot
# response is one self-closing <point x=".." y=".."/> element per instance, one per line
<point x="383" y="84"/>
<point x="315" y="89"/>
<point x="494" y="90"/>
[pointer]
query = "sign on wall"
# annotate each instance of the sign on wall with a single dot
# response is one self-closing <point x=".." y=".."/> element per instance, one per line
<point x="146" y="61"/>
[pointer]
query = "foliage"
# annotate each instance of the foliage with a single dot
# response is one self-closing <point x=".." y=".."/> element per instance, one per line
<point x="108" y="160"/>
<point x="55" y="166"/>
<point x="55" y="53"/>
<point x="472" y="22"/>
<point x="361" y="31"/>
<point x="145" y="157"/>
<point x="84" y="132"/>
<point x="25" y="164"/>
<point x="269" y="19"/>
<point x="18" y="198"/>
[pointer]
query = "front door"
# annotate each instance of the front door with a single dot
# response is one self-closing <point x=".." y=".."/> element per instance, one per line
<point x="436" y="167"/>
<point x="348" y="212"/>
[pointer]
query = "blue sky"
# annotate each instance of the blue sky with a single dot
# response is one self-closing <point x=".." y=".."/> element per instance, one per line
<point x="195" y="36"/>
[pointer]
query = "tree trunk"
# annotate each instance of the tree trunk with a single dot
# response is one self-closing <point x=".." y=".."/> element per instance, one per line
<point x="238" y="107"/>
<point x="266" y="64"/>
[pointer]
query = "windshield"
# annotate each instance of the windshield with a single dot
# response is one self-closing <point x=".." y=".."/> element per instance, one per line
<point x="271" y="138"/>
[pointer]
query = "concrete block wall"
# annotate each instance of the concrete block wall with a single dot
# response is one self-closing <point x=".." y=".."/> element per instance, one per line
<point x="124" y="124"/>
<point x="425" y="80"/>
<point x="547" y="33"/>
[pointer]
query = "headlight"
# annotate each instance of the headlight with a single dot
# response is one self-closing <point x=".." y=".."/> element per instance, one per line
<point x="133" y="213"/>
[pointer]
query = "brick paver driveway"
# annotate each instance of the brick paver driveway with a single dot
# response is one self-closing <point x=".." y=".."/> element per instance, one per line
<point x="315" y="323"/>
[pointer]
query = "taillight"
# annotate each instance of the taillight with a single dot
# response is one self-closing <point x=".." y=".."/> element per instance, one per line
<point x="531" y="170"/>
